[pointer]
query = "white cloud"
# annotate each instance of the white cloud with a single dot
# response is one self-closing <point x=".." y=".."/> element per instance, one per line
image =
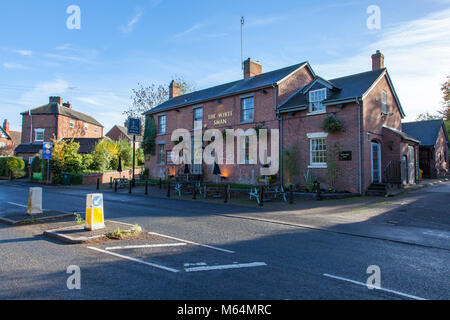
<point x="417" y="55"/>
<point x="12" y="65"/>
<point x="131" y="24"/>
<point x="24" y="52"/>
<point x="39" y="95"/>
<point x="189" y="30"/>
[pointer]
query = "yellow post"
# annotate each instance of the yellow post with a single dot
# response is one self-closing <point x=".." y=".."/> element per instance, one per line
<point x="94" y="212"/>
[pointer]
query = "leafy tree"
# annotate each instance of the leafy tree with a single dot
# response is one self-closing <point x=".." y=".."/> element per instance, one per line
<point x="140" y="158"/>
<point x="88" y="161"/>
<point x="125" y="152"/>
<point x="104" y="155"/>
<point x="149" y="143"/>
<point x="290" y="163"/>
<point x="65" y="159"/>
<point x="445" y="112"/>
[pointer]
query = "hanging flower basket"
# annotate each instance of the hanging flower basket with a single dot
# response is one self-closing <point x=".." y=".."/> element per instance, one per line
<point x="332" y="124"/>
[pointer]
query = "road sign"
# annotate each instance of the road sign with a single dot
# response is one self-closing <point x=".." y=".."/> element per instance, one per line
<point x="48" y="151"/>
<point x="134" y="126"/>
<point x="95" y="219"/>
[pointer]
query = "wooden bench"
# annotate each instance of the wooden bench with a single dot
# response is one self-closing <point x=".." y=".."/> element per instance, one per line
<point x="271" y="192"/>
<point x="121" y="182"/>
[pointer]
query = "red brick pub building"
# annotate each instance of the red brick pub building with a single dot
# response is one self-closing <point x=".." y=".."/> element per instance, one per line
<point x="370" y="151"/>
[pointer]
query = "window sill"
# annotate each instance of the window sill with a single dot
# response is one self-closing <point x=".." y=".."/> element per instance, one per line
<point x="316" y="113"/>
<point x="246" y="122"/>
<point x="161" y="134"/>
<point x="317" y="166"/>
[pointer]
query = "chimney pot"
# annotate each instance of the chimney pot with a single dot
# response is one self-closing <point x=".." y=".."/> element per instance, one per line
<point x="251" y="68"/>
<point x="56" y="99"/>
<point x="174" y="89"/>
<point x="67" y="105"/>
<point x="6" y="125"/>
<point x="377" y="61"/>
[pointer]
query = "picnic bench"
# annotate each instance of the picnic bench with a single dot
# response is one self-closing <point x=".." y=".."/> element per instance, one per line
<point x="270" y="193"/>
<point x="121" y="182"/>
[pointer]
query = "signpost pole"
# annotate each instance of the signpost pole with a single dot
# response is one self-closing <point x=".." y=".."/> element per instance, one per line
<point x="48" y="171"/>
<point x="134" y="161"/>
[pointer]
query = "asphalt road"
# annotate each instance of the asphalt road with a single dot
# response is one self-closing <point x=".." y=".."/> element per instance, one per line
<point x="270" y="261"/>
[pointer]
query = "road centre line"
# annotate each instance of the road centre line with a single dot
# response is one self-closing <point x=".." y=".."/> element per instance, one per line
<point x="381" y="289"/>
<point x="147" y="246"/>
<point x="228" y="266"/>
<point x="134" y="259"/>
<point x="191" y="242"/>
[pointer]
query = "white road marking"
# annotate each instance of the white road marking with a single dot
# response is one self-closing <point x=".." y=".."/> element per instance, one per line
<point x="382" y="289"/>
<point x="191" y="242"/>
<point x="228" y="266"/>
<point x="195" y="264"/>
<point x="147" y="246"/>
<point x="18" y="205"/>
<point x="134" y="259"/>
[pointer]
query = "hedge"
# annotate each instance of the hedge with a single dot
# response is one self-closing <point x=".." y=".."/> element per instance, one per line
<point x="7" y="164"/>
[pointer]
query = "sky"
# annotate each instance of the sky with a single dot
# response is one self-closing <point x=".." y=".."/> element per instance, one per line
<point x="123" y="43"/>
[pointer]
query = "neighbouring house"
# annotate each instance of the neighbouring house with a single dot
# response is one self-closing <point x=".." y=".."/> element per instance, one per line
<point x="55" y="120"/>
<point x="368" y="151"/>
<point x="433" y="148"/>
<point x="121" y="133"/>
<point x="8" y="139"/>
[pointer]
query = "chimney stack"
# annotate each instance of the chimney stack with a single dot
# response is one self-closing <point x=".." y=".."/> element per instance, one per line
<point x="57" y="100"/>
<point x="67" y="105"/>
<point x="251" y="68"/>
<point x="174" y="89"/>
<point x="377" y="61"/>
<point x="6" y="125"/>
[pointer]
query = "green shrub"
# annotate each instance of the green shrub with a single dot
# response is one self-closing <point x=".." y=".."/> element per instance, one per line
<point x="18" y="173"/>
<point x="88" y="161"/>
<point x="9" y="163"/>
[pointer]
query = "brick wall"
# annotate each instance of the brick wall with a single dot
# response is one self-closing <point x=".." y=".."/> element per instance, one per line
<point x="295" y="130"/>
<point x="91" y="179"/>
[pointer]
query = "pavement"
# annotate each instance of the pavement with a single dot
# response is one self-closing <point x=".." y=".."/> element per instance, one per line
<point x="309" y="250"/>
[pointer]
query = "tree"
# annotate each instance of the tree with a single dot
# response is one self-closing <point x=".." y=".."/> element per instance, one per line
<point x="445" y="112"/>
<point x="65" y="158"/>
<point x="427" y="116"/>
<point x="147" y="97"/>
<point x="148" y="142"/>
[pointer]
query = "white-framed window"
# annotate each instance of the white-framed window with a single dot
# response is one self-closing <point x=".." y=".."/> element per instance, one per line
<point x="247" y="109"/>
<point x="318" y="150"/>
<point x="96" y="129"/>
<point x="384" y="102"/>
<point x="161" y="154"/>
<point x="39" y="135"/>
<point x="315" y="100"/>
<point x="162" y="124"/>
<point x="72" y="124"/>
<point x="30" y="160"/>
<point x="2" y="144"/>
<point x="198" y="118"/>
<point x="86" y="127"/>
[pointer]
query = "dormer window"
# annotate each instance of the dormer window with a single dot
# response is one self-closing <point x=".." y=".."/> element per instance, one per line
<point x="315" y="100"/>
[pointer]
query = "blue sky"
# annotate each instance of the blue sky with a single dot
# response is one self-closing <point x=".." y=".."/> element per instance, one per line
<point x="121" y="43"/>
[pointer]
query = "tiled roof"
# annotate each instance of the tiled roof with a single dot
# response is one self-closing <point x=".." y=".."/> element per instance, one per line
<point x="55" y="108"/>
<point x="349" y="87"/>
<point x="87" y="145"/>
<point x="403" y="135"/>
<point x="263" y="80"/>
<point x="425" y="131"/>
<point x="16" y="137"/>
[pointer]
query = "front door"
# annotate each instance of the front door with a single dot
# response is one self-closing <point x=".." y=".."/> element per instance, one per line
<point x="411" y="165"/>
<point x="376" y="163"/>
